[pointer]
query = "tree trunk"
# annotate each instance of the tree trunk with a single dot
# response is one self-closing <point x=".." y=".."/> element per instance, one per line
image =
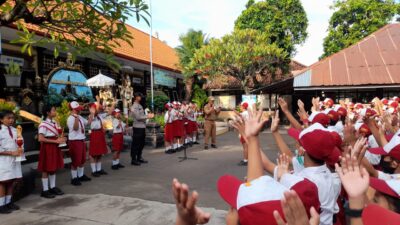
<point x="189" y="88"/>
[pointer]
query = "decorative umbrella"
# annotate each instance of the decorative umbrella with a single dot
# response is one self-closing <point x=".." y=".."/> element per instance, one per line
<point x="100" y="80"/>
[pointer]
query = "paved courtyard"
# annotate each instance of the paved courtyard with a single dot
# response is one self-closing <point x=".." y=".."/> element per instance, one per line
<point x="140" y="195"/>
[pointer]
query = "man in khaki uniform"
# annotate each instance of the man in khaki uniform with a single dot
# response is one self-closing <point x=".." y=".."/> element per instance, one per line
<point x="210" y="115"/>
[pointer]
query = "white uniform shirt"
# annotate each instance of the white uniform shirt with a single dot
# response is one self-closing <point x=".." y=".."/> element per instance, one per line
<point x="174" y="114"/>
<point x="168" y="117"/>
<point x="191" y="115"/>
<point x="76" y="134"/>
<point x="245" y="115"/>
<point x="48" y="128"/>
<point x="328" y="185"/>
<point x="9" y="168"/>
<point x="116" y="129"/>
<point x="97" y="122"/>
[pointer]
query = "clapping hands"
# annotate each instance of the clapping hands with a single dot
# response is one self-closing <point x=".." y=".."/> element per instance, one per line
<point x="253" y="125"/>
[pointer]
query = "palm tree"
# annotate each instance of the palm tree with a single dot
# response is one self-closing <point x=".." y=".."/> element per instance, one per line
<point x="190" y="42"/>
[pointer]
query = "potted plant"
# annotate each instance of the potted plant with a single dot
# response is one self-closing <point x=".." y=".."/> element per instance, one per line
<point x="13" y="74"/>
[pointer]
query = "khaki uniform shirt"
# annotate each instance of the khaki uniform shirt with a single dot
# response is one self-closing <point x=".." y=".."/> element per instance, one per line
<point x="210" y="113"/>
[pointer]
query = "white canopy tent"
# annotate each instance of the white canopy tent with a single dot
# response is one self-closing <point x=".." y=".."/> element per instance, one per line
<point x="100" y="80"/>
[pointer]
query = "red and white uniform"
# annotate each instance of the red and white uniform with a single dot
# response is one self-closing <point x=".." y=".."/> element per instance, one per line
<point x="9" y="168"/>
<point x="50" y="157"/>
<point x="168" y="129"/>
<point x="118" y="135"/>
<point x="76" y="141"/>
<point x="192" y="123"/>
<point x="98" y="145"/>
<point x="177" y="123"/>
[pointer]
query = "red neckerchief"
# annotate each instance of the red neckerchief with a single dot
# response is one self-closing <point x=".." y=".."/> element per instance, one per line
<point x="51" y="127"/>
<point x="10" y="132"/>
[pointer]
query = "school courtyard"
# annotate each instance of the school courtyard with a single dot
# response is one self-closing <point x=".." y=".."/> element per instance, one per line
<point x="141" y="195"/>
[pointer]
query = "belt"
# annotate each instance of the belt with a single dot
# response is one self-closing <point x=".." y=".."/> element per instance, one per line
<point x="118" y="133"/>
<point x="96" y="129"/>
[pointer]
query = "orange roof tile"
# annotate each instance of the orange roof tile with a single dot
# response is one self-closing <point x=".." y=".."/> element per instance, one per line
<point x="375" y="60"/>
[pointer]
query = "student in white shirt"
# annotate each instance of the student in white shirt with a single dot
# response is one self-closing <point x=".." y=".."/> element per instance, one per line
<point x="119" y="128"/>
<point x="168" y="130"/>
<point x="76" y="142"/>
<point x="10" y="168"/>
<point x="50" y="158"/>
<point x="245" y="115"/>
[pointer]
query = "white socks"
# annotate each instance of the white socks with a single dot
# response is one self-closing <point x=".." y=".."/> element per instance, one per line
<point x="93" y="166"/>
<point x="98" y="166"/>
<point x="80" y="171"/>
<point x="45" y="184"/>
<point x="244" y="160"/>
<point x="194" y="138"/>
<point x="52" y="179"/>
<point x="74" y="174"/>
<point x="8" y="199"/>
<point x="2" y="201"/>
<point x="115" y="162"/>
<point x="175" y="146"/>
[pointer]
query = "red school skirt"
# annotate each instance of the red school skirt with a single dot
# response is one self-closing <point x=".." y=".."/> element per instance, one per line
<point x="168" y="132"/>
<point x="50" y="157"/>
<point x="118" y="142"/>
<point x="98" y="145"/>
<point x="77" y="151"/>
<point x="178" y="128"/>
<point x="192" y="127"/>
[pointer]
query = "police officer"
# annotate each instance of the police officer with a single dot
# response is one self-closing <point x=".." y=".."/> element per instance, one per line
<point x="139" y="130"/>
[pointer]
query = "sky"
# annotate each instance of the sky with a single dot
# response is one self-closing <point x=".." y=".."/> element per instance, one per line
<point x="171" y="18"/>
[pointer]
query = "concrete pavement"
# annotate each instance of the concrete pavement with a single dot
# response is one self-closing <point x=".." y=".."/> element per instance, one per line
<point x="141" y="195"/>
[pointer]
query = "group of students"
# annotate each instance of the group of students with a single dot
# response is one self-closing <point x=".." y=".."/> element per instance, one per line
<point x="181" y="127"/>
<point x="345" y="168"/>
<point x="51" y="157"/>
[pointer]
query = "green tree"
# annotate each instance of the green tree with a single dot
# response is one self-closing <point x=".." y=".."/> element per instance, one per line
<point x="190" y="42"/>
<point x="285" y="21"/>
<point x="354" y="20"/>
<point x="243" y="54"/>
<point x="76" y="26"/>
<point x="250" y="3"/>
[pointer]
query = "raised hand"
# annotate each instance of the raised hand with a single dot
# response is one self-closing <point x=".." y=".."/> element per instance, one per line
<point x="275" y="122"/>
<point x="188" y="213"/>
<point x="355" y="180"/>
<point x="315" y="103"/>
<point x="294" y="211"/>
<point x="359" y="149"/>
<point x="282" y="162"/>
<point x="255" y="122"/>
<point x="283" y="104"/>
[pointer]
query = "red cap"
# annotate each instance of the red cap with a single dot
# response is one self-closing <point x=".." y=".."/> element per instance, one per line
<point x="319" y="117"/>
<point x="341" y="110"/>
<point x="116" y="112"/>
<point x="333" y="115"/>
<point x="245" y="105"/>
<point x="390" y="187"/>
<point x="392" y="148"/>
<point x="367" y="112"/>
<point x="393" y="104"/>
<point x="358" y="106"/>
<point x="255" y="201"/>
<point x="374" y="214"/>
<point x="395" y="98"/>
<point x="384" y="101"/>
<point x="318" y="142"/>
<point x="75" y="106"/>
<point x="362" y="128"/>
<point x="328" y="102"/>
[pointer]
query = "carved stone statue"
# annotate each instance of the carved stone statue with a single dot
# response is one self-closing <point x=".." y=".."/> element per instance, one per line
<point x="126" y="92"/>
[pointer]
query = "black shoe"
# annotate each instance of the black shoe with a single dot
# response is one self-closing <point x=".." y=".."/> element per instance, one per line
<point x="76" y="182"/>
<point x="56" y="191"/>
<point x="190" y="144"/>
<point x="12" y="206"/>
<point x="141" y="160"/>
<point x="47" y="194"/>
<point x="102" y="172"/>
<point x="196" y="143"/>
<point x="173" y="150"/>
<point x="114" y="167"/>
<point x="242" y="163"/>
<point x="95" y="174"/>
<point x="168" y="152"/>
<point x="206" y="147"/>
<point x="214" y="146"/>
<point x="5" y="210"/>
<point x="84" y="178"/>
<point x="135" y="163"/>
<point x="120" y="165"/>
